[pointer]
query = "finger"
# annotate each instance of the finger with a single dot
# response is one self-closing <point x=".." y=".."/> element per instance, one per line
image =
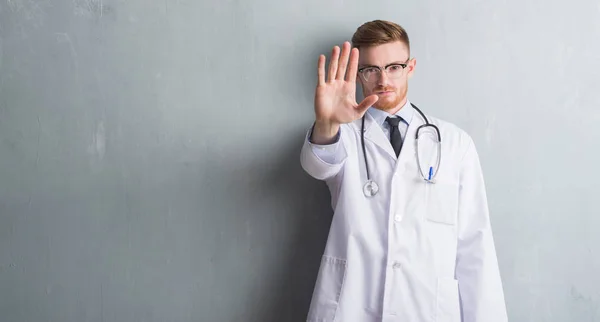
<point x="366" y="103"/>
<point x="343" y="63"/>
<point x="321" y="70"/>
<point x="353" y="67"/>
<point x="333" y="63"/>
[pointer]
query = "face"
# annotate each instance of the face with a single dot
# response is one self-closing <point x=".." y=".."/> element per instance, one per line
<point x="391" y="90"/>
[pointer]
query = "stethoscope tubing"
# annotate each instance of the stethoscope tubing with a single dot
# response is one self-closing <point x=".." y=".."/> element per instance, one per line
<point x="427" y="124"/>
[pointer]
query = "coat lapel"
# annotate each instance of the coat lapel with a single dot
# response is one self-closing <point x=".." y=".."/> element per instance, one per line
<point x="374" y="133"/>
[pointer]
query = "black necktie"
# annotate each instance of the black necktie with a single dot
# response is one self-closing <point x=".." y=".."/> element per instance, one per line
<point x="395" y="136"/>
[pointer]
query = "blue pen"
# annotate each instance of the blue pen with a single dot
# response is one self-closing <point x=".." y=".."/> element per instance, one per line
<point x="430" y="172"/>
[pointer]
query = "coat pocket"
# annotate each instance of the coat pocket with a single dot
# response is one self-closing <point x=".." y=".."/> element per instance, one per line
<point x="441" y="199"/>
<point x="448" y="301"/>
<point x="328" y="289"/>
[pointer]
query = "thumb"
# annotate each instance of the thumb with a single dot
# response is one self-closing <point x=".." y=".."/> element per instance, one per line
<point x="366" y="103"/>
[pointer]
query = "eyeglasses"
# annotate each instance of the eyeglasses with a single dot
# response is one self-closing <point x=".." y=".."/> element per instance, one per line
<point x="372" y="73"/>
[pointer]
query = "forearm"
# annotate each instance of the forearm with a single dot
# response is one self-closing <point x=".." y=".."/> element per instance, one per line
<point x="323" y="161"/>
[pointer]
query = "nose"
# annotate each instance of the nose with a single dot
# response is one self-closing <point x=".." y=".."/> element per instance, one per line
<point x="383" y="79"/>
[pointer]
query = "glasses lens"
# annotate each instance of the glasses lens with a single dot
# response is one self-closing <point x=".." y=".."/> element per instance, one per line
<point x="370" y="74"/>
<point x="394" y="71"/>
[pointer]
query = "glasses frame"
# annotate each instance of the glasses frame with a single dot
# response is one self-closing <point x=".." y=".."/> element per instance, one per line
<point x="381" y="69"/>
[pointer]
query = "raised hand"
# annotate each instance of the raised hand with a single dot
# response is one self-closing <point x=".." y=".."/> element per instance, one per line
<point x="335" y="97"/>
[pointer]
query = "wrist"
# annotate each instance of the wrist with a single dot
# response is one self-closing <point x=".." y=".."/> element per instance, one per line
<point x="324" y="132"/>
<point x="327" y="128"/>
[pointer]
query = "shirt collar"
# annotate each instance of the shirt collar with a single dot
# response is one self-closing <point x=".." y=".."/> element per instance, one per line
<point x="406" y="113"/>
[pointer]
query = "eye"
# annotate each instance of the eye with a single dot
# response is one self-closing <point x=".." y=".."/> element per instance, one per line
<point x="394" y="68"/>
<point x="370" y="70"/>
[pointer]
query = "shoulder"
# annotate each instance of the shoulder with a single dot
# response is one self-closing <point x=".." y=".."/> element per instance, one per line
<point x="451" y="130"/>
<point x="453" y="136"/>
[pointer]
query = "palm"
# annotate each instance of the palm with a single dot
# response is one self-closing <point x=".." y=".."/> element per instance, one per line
<point x="335" y="99"/>
<point x="337" y="102"/>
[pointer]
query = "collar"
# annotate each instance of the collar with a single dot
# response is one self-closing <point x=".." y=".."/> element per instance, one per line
<point x="406" y="113"/>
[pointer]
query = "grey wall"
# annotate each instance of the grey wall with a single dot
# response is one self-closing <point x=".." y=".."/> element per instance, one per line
<point x="149" y="150"/>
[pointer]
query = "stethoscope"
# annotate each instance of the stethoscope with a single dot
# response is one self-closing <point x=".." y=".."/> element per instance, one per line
<point x="371" y="188"/>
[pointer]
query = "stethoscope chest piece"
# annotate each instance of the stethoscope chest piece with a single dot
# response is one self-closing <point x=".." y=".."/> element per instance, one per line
<point x="370" y="188"/>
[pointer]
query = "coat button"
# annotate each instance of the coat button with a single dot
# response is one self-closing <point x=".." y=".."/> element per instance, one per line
<point x="398" y="217"/>
<point x="396" y="265"/>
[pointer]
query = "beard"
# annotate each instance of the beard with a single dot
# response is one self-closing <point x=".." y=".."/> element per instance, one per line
<point x="387" y="103"/>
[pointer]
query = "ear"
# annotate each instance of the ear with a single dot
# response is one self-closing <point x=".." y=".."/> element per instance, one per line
<point x="411" y="67"/>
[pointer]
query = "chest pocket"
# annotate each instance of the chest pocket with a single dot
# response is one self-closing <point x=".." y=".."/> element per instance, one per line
<point x="441" y="200"/>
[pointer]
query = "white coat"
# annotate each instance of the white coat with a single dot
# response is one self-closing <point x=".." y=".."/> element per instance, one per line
<point x="415" y="252"/>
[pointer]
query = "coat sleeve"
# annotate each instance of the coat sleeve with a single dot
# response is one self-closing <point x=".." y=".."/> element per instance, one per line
<point x="323" y="161"/>
<point x="477" y="271"/>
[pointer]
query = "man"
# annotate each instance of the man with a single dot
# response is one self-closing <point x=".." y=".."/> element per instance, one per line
<point x="408" y="247"/>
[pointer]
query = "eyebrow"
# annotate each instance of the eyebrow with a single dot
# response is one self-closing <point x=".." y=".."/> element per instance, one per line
<point x="393" y="63"/>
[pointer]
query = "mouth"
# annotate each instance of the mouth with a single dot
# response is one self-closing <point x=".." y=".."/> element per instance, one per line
<point x="385" y="93"/>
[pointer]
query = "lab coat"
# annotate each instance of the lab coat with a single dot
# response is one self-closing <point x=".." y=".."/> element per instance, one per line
<point x="415" y="252"/>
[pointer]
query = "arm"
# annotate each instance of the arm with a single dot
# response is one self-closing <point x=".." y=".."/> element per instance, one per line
<point x="322" y="154"/>
<point x="323" y="161"/>
<point x="477" y="272"/>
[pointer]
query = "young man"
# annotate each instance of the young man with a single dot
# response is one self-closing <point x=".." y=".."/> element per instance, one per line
<point x="410" y="238"/>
